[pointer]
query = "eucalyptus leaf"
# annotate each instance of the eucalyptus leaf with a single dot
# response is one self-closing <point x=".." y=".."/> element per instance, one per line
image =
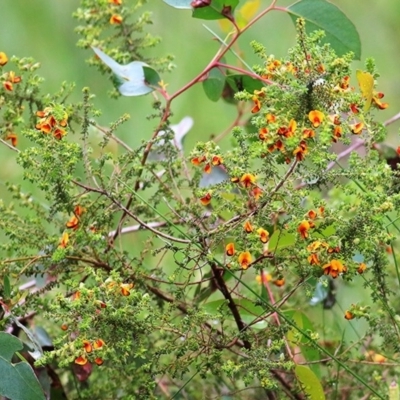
<point x="132" y="75"/>
<point x="18" y="381"/>
<point x="323" y="15"/>
<point x="182" y="4"/>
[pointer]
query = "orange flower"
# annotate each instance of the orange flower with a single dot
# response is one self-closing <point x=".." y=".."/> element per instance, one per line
<point x="256" y="192"/>
<point x="312" y="214"/>
<point x="3" y="58"/>
<point x="357" y="128"/>
<point x="115" y="19"/>
<point x="270" y="118"/>
<point x="344" y="83"/>
<point x="334" y="268"/>
<point x="349" y="315"/>
<point x="13" y="138"/>
<point x="314" y="246"/>
<point x="279" y="145"/>
<point x="198" y="160"/>
<point x="76" y="295"/>
<point x="235" y="179"/>
<point x="81" y="360"/>
<point x="245" y="259"/>
<point x="354" y="108"/>
<point x="59" y="133"/>
<point x="279" y="282"/>
<point x="206" y="199"/>
<point x="247" y="180"/>
<point x="98" y="361"/>
<point x="264" y="235"/>
<point x="230" y="249"/>
<point x="101" y="304"/>
<point x="125" y="288"/>
<point x="98" y="344"/>
<point x="377" y="103"/>
<point x="292" y="128"/>
<point x="87" y="346"/>
<point x="362" y="267"/>
<point x="263" y="278"/>
<point x="300" y="151"/>
<point x="8" y="86"/>
<point x="14" y="79"/>
<point x="64" y="327"/>
<point x="73" y="223"/>
<point x="217" y="160"/>
<point x="79" y="210"/>
<point x="313" y="259"/>
<point x="337" y="133"/>
<point x="283" y="131"/>
<point x="64" y="241"/>
<point x="207" y="168"/>
<point x="304" y="227"/>
<point x="316" y="117"/>
<point x="308" y="133"/>
<point x="116" y="2"/>
<point x="263" y="134"/>
<point x="248" y="227"/>
<point x="257" y="105"/>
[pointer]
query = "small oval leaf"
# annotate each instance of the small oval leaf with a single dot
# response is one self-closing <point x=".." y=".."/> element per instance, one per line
<point x="340" y="31"/>
<point x="217" y="9"/>
<point x="214" y="84"/>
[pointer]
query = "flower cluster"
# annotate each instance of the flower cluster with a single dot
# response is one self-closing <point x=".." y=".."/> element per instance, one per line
<point x="49" y="123"/>
<point x="89" y="347"/>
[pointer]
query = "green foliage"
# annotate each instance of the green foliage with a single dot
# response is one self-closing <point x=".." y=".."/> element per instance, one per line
<point x="150" y="274"/>
<point x="18" y="380"/>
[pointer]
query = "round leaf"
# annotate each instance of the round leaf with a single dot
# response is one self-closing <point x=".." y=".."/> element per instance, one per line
<point x="214" y="84"/>
<point x="340" y="31"/>
<point x="217" y="9"/>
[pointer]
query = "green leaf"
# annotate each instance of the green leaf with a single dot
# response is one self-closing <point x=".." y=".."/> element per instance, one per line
<point x="240" y="82"/>
<point x="217" y="9"/>
<point x="18" y="381"/>
<point x="9" y="344"/>
<point x="214" y="84"/>
<point x="309" y="352"/>
<point x="132" y="75"/>
<point x="7" y="287"/>
<point x="311" y="384"/>
<point x="280" y="240"/>
<point x="151" y="77"/>
<point x="182" y="4"/>
<point x="320" y="14"/>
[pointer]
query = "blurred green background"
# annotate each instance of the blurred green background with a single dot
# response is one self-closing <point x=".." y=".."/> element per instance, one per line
<point x="45" y="30"/>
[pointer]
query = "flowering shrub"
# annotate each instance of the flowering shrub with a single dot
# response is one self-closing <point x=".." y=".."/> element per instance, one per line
<point x="159" y="273"/>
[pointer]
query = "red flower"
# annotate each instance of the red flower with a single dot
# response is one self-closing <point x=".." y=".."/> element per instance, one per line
<point x="206" y="199"/>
